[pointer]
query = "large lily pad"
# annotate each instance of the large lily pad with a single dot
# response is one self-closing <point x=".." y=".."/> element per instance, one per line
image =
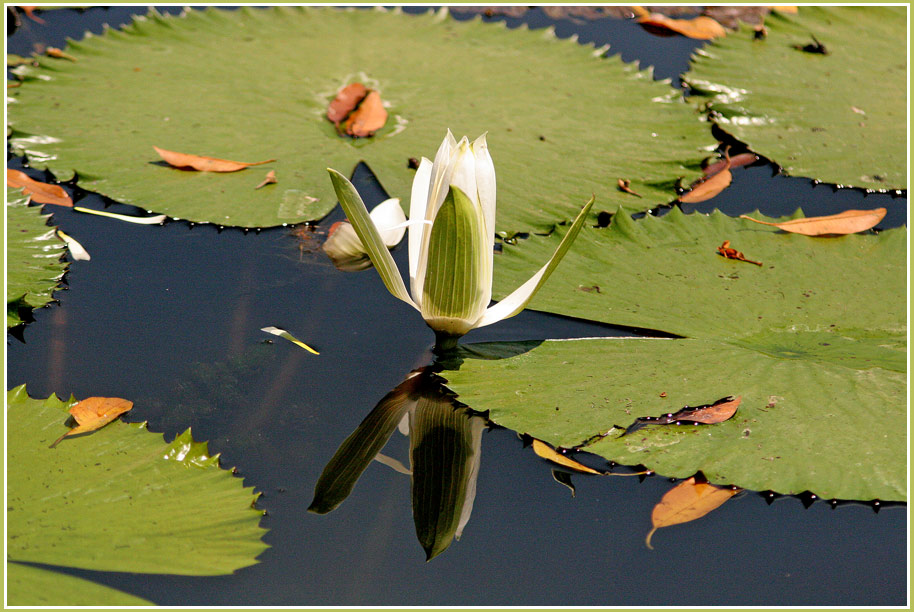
<point x="813" y="340"/>
<point x="34" y="256"/>
<point x="254" y="84"/>
<point x="33" y="586"/>
<point x="839" y="117"/>
<point x="120" y="499"/>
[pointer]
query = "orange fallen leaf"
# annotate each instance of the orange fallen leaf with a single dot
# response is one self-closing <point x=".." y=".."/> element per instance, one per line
<point x="699" y="28"/>
<point x="268" y="179"/>
<point x="741" y="159"/>
<point x="43" y="193"/>
<point x="626" y="186"/>
<point x="731" y="253"/>
<point x="30" y="13"/>
<point x="59" y="54"/>
<point x="790" y="10"/>
<point x="687" y="501"/>
<point x="709" y="186"/>
<point x="368" y="118"/>
<point x="847" y="222"/>
<point x="346" y="100"/>
<point x="203" y="163"/>
<point x="547" y="452"/>
<point x="94" y="413"/>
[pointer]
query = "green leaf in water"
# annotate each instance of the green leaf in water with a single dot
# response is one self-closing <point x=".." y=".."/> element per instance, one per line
<point x="813" y="340"/>
<point x="35" y="586"/>
<point x="551" y="109"/>
<point x="121" y="499"/>
<point x="839" y="117"/>
<point x="33" y="254"/>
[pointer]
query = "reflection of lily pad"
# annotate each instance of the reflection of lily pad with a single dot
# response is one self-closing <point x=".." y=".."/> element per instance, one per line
<point x="120" y="499"/>
<point x="813" y="340"/>
<point x="838" y="117"/>
<point x="562" y="123"/>
<point x="33" y="252"/>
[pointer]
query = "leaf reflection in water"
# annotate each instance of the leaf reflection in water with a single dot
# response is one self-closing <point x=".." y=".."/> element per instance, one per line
<point x="445" y="440"/>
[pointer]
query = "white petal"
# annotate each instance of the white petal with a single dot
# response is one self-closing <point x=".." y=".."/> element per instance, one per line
<point x="417" y="205"/>
<point x="485" y="187"/>
<point x="343" y="243"/>
<point x="485" y="181"/>
<point x="441" y="169"/>
<point x="389" y="218"/>
<point x="368" y="234"/>
<point x="519" y="298"/>
<point x="464" y="174"/>
<point x="77" y="252"/>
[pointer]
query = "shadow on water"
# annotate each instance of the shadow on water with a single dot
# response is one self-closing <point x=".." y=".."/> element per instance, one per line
<point x="170" y="317"/>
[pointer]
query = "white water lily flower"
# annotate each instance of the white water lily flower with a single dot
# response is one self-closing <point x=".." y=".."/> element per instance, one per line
<point x="347" y="251"/>
<point x="451" y="239"/>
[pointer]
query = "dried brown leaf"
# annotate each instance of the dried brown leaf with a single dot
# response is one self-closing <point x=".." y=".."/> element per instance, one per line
<point x="699" y="28"/>
<point x="709" y="186"/>
<point x="94" y="413"/>
<point x="346" y="101"/>
<point x="706" y="414"/>
<point x="30" y="13"/>
<point x="368" y="118"/>
<point x="43" y="193"/>
<point x="847" y="222"/>
<point x="742" y="159"/>
<point x="626" y="186"/>
<point x="59" y="54"/>
<point x="731" y="253"/>
<point x="268" y="179"/>
<point x="547" y="452"/>
<point x="203" y="163"/>
<point x="687" y="501"/>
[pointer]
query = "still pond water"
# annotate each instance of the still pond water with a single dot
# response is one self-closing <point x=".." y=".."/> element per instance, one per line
<point x="170" y="316"/>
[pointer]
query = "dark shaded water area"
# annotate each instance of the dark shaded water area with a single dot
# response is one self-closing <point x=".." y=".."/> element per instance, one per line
<point x="170" y="316"/>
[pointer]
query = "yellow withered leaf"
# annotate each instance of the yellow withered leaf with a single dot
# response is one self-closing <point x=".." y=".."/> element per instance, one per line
<point x="847" y="222"/>
<point x="687" y="501"/>
<point x="547" y="452"/>
<point x="94" y="413"/>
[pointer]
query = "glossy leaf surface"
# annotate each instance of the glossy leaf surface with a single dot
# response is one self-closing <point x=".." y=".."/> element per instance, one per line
<point x="419" y="64"/>
<point x="121" y="499"/>
<point x="839" y="117"/>
<point x="34" y="255"/>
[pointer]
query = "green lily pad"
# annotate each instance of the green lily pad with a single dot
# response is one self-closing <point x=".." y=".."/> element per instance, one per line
<point x="839" y="117"/>
<point x="33" y="254"/>
<point x="120" y="499"/>
<point x="814" y="340"/>
<point x="34" y="586"/>
<point x="254" y="84"/>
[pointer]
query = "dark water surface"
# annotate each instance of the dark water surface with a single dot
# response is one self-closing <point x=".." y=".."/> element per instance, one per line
<point x="170" y="317"/>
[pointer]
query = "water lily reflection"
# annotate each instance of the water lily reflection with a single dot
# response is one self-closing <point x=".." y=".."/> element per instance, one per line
<point x="444" y="453"/>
